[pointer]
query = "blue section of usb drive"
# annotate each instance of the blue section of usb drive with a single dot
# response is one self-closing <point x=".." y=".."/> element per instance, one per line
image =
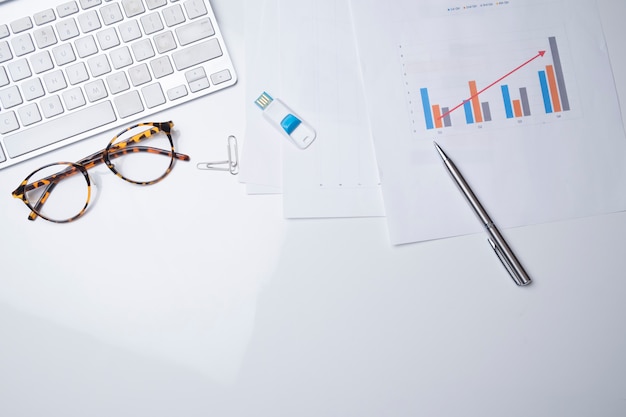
<point x="290" y="123"/>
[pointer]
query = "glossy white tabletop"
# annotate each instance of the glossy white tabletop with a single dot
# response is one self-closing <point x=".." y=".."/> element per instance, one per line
<point x="192" y="298"/>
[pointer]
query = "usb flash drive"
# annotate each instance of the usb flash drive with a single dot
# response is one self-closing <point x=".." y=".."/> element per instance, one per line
<point x="286" y="121"/>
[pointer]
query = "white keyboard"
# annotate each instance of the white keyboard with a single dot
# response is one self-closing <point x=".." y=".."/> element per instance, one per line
<point x="86" y="66"/>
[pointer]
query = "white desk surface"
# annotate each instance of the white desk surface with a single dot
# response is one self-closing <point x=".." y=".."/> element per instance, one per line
<point x="191" y="298"/>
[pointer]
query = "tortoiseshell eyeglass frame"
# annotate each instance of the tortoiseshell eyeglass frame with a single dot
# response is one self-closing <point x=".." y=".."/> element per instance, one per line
<point x="112" y="151"/>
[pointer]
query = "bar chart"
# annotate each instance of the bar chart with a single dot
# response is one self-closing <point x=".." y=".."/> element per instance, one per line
<point x="532" y="85"/>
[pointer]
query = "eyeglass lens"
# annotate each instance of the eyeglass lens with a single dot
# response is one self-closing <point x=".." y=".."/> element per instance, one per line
<point x="142" y="154"/>
<point x="63" y="192"/>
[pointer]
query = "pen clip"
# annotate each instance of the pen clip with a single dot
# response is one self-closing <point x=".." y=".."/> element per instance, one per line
<point x="505" y="262"/>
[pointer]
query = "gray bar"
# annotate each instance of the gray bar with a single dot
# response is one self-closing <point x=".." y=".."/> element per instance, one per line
<point x="558" y="70"/>
<point x="486" y="111"/>
<point x="446" y="119"/>
<point x="524" y="99"/>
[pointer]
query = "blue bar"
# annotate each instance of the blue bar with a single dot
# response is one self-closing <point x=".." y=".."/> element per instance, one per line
<point x="428" y="115"/>
<point x="547" y="103"/>
<point x="506" y="96"/>
<point x="469" y="117"/>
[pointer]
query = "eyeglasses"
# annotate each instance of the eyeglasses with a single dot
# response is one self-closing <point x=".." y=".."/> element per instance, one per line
<point x="134" y="162"/>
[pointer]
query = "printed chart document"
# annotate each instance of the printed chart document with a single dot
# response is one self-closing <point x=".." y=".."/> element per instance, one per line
<point x="518" y="93"/>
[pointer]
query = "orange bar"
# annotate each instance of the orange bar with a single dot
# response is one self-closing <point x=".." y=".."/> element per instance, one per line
<point x="554" y="92"/>
<point x="478" y="115"/>
<point x="437" y="116"/>
<point x="517" y="108"/>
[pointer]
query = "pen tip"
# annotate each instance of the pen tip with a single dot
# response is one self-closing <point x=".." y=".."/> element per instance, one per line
<point x="441" y="152"/>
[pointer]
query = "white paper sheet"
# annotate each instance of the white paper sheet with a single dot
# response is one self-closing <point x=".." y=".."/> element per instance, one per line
<point x="535" y="168"/>
<point x="304" y="53"/>
<point x="337" y="175"/>
<point x="261" y="166"/>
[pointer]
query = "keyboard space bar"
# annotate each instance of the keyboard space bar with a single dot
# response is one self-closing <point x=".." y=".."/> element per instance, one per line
<point x="59" y="128"/>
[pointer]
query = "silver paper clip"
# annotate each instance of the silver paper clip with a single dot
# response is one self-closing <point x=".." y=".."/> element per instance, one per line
<point x="231" y="165"/>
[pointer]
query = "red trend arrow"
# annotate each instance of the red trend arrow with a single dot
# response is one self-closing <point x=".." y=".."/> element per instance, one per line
<point x="541" y="53"/>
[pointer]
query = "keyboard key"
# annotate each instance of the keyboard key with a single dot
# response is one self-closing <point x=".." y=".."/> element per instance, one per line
<point x="129" y="31"/>
<point x="22" y="44"/>
<point x="194" y="31"/>
<point x="67" y="9"/>
<point x="5" y="52"/>
<point x="2" y="157"/>
<point x="108" y="38"/>
<point x="8" y="123"/>
<point x="43" y="17"/>
<point x="86" y="46"/>
<point x="51" y="106"/>
<point x="153" y="4"/>
<point x="60" y="128"/>
<point x="95" y="90"/>
<point x="41" y="62"/>
<point x="177" y="92"/>
<point x="196" y="54"/>
<point x="165" y="42"/>
<point x="67" y="29"/>
<point x="21" y="25"/>
<point x="139" y="75"/>
<point x="161" y="67"/>
<point x="73" y="98"/>
<point x="111" y="13"/>
<point x="99" y="65"/>
<point x="4" y="78"/>
<point x="153" y="95"/>
<point x="128" y="104"/>
<point x="132" y="7"/>
<point x="173" y="15"/>
<point x="87" y="4"/>
<point x="32" y="89"/>
<point x="19" y="69"/>
<point x="117" y="82"/>
<point x="29" y="114"/>
<point x="4" y="31"/>
<point x="77" y="73"/>
<point x="44" y="37"/>
<point x="63" y="54"/>
<point x="54" y="81"/>
<point x="10" y="97"/>
<point x="195" y="8"/>
<point x="89" y="21"/>
<point x="221" y="77"/>
<point x="143" y="50"/>
<point x="195" y="74"/>
<point x="199" y="84"/>
<point x="120" y="57"/>
<point x="151" y="23"/>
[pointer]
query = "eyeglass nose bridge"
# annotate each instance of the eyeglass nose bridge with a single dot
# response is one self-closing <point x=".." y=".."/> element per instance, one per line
<point x="231" y="164"/>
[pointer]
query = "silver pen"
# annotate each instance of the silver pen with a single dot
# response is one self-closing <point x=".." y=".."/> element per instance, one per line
<point x="497" y="242"/>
